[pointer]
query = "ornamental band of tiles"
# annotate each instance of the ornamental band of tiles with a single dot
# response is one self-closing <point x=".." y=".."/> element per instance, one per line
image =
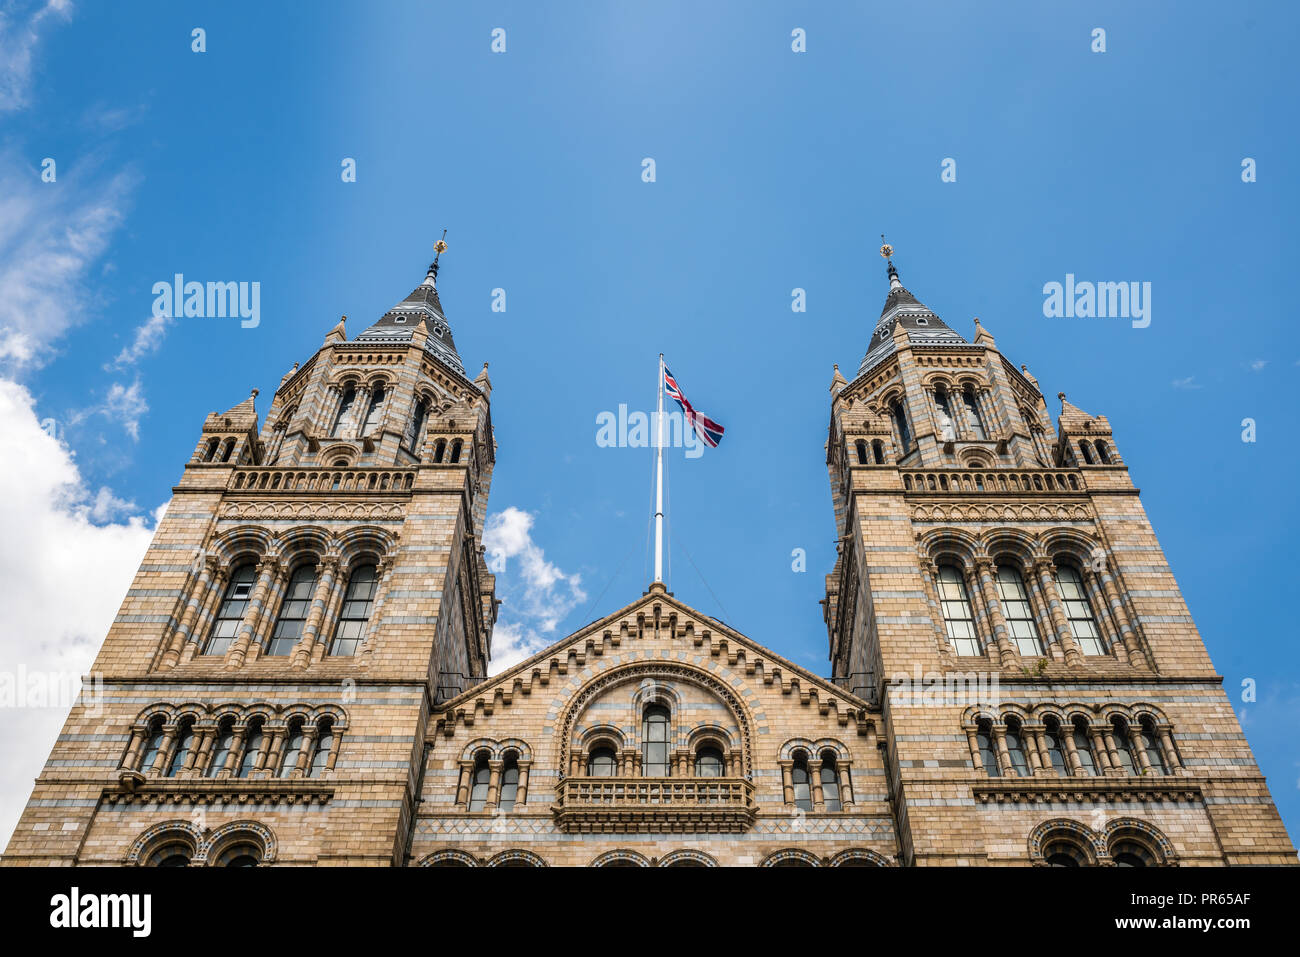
<point x="298" y="672"/>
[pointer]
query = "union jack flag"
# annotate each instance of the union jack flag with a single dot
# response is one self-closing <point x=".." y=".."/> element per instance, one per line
<point x="704" y="427"/>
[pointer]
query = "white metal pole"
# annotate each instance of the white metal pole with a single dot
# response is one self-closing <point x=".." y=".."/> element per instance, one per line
<point x="659" y="482"/>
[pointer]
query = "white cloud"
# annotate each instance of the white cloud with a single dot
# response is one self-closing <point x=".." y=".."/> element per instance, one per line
<point x="63" y="574"/>
<point x="1258" y="365"/>
<point x="1188" y="383"/>
<point x="21" y="27"/>
<point x="148" y="339"/>
<point x="126" y="404"/>
<point x="537" y="595"/>
<point x="50" y="234"/>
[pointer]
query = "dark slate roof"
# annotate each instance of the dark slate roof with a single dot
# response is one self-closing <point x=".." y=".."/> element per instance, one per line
<point x="922" y="325"/>
<point x="397" y="324"/>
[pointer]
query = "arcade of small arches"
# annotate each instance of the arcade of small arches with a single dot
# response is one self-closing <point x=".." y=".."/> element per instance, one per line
<point x="185" y="844"/>
<point x="1072" y="741"/>
<point x="1016" y="595"/>
<point x="233" y="741"/>
<point x="788" y="857"/>
<point x="1125" y="842"/>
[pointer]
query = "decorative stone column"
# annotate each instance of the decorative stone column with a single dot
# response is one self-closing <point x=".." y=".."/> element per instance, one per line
<point x="1099" y="749"/>
<point x="194" y="599"/>
<point x="1136" y="657"/>
<point x="984" y="577"/>
<point x="972" y="740"/>
<point x="787" y="781"/>
<point x="382" y="582"/>
<point x="462" y="784"/>
<point x="494" y="785"/>
<point x="1043" y="617"/>
<point x="1171" y="756"/>
<point x="1114" y="644"/>
<point x="1037" y="734"/>
<point x="846" y="785"/>
<point x="193" y="641"/>
<point x="1044" y="569"/>
<point x="325" y="572"/>
<point x="1072" y="753"/>
<point x="815" y="783"/>
<point x="138" y="736"/>
<point x="267" y="570"/>
<point x="521" y="796"/>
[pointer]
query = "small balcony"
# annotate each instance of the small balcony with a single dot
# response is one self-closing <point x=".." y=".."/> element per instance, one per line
<point x="630" y="805"/>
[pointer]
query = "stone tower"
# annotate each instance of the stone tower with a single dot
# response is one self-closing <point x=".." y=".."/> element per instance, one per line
<point x="315" y="587"/>
<point x="1046" y="696"/>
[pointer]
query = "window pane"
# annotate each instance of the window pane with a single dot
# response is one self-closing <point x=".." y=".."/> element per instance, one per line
<point x="358" y="602"/>
<point x="320" y="757"/>
<point x="654" y="736"/>
<point x="1016" y="610"/>
<point x="252" y="751"/>
<point x="708" y="763"/>
<point x="479" y="791"/>
<point x="602" y="763"/>
<point x="231" y="612"/>
<point x="1082" y="623"/>
<point x="1084" y="747"/>
<point x="830" y="785"/>
<point x="509" y="787"/>
<point x="958" y="617"/>
<point x="802" y="788"/>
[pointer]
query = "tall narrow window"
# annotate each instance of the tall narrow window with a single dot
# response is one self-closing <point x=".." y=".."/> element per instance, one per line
<point x="456" y="446"/>
<point x="1082" y="624"/>
<point x="830" y="773"/>
<point x="221" y="752"/>
<point x="1083" y="747"/>
<point x="1015" y="608"/>
<point x="973" y="413"/>
<point x="415" y="428"/>
<point x="654" y="742"/>
<point x="1016" y="749"/>
<point x="184" y="745"/>
<point x="1103" y="453"/>
<point x="900" y="423"/>
<point x="509" y="784"/>
<point x="947" y="429"/>
<point x="375" y="412"/>
<point x="802" y="783"/>
<point x="478" y="792"/>
<point x="1055" y="750"/>
<point x="862" y="451"/>
<point x="320" y="757"/>
<point x="957" y="615"/>
<point x="211" y="453"/>
<point x="345" y="408"/>
<point x="358" y="602"/>
<point x="988" y="756"/>
<point x="254" y="742"/>
<point x="1124" y="746"/>
<point x="292" y="750"/>
<point x="153" y="746"/>
<point x="233" y="605"/>
<point x="602" y="763"/>
<point x="293" y="611"/>
<point x="1151" y="744"/>
<point x="708" y="763"/>
<point x="878" y="451"/>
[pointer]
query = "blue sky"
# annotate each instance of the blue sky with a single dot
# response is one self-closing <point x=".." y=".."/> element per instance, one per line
<point x="774" y="170"/>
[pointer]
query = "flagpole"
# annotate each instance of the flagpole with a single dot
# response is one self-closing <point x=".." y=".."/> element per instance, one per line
<point x="659" y="482"/>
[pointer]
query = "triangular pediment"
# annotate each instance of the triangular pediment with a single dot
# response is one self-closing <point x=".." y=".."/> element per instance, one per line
<point x="656" y="627"/>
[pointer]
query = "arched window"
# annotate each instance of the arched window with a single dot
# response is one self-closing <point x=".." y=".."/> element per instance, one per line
<point x="354" y="614"/>
<point x="1055" y="750"/>
<point x="878" y="451"/>
<point x="988" y="754"/>
<point x="153" y="746"/>
<point x="1124" y="745"/>
<point x="1016" y="749"/>
<point x="602" y="762"/>
<point x="221" y="751"/>
<point x="900" y="423"/>
<point x="801" y="781"/>
<point x="1016" y="610"/>
<point x="292" y="749"/>
<point x="375" y="412"/>
<point x="654" y="742"/>
<point x="181" y="754"/>
<point x="439" y="450"/>
<point x="456" y="447"/>
<point x="239" y="855"/>
<point x="175" y="854"/>
<point x="227" y="450"/>
<point x="1151" y="745"/>
<point x="1087" y="453"/>
<point x="1083" y="747"/>
<point x="345" y="407"/>
<point x="254" y="742"/>
<point x="320" y="757"/>
<point x="973" y="413"/>
<point x="211" y="453"/>
<point x="293" y="611"/>
<point x="957" y="615"/>
<point x="1079" y="612"/>
<point x="1103" y="453"/>
<point x="478" y="791"/>
<point x="708" y="763"/>
<point x="415" y="428"/>
<point x="1130" y="853"/>
<point x="830" y="774"/>
<point x="947" y="425"/>
<point x="509" y="784"/>
<point x="862" y="451"/>
<point x="231" y="613"/>
<point x="1063" y="852"/>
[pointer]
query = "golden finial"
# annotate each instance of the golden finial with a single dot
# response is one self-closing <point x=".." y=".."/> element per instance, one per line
<point x="886" y="250"/>
<point x="440" y="246"/>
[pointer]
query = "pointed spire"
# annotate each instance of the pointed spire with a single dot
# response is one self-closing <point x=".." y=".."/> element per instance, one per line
<point x="399" y="323"/>
<point x="483" y="382"/>
<point x="440" y="247"/>
<point x="338" y="333"/>
<point x="837" y="381"/>
<point x="982" y="335"/>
